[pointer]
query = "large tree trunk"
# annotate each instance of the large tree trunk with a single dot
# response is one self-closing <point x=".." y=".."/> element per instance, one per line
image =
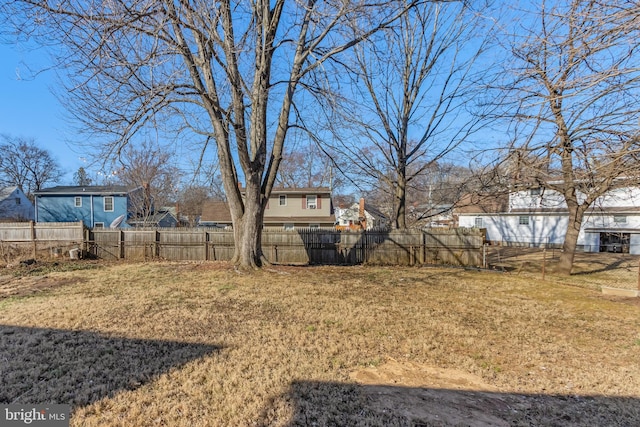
<point x="565" y="264"/>
<point x="400" y="199"/>
<point x="248" y="239"/>
<point x="247" y="232"/>
<point x="400" y="207"/>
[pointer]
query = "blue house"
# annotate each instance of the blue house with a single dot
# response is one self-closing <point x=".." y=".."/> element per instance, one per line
<point x="96" y="206"/>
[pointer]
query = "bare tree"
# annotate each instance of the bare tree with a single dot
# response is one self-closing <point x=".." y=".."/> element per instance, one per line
<point x="190" y="202"/>
<point x="228" y="71"/>
<point x="305" y="166"/>
<point x="412" y="87"/>
<point x="150" y="167"/>
<point x="81" y="177"/>
<point x="26" y="165"/>
<point x="572" y="95"/>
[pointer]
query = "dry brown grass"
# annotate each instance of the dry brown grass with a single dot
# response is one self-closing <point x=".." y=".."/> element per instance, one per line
<point x="187" y="344"/>
<point x="592" y="270"/>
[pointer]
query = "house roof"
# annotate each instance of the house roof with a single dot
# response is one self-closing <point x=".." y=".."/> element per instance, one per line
<point x="301" y="190"/>
<point x="86" y="189"/>
<point x="7" y="192"/>
<point x="480" y="203"/>
<point x="215" y="211"/>
<point x="374" y="211"/>
<point x="154" y="218"/>
<point x="331" y="219"/>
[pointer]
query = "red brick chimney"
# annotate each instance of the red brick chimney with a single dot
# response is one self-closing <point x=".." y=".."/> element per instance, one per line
<point x="361" y="216"/>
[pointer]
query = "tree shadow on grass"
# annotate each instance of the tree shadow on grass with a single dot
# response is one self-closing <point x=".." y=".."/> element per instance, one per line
<point x="347" y="404"/>
<point x="41" y="365"/>
<point x="601" y="266"/>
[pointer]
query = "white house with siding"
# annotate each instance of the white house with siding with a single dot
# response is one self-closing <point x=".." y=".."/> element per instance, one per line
<point x="360" y="216"/>
<point x="14" y="205"/>
<point x="539" y="217"/>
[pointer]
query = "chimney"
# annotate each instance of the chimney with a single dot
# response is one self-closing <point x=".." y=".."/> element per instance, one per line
<point x="361" y="217"/>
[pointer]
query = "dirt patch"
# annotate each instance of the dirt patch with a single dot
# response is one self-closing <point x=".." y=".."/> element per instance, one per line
<point x="432" y="396"/>
<point x="420" y="395"/>
<point x="11" y="286"/>
<point x="623" y="300"/>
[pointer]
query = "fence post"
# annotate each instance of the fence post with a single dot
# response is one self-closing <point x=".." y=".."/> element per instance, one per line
<point x="206" y="245"/>
<point x="120" y="243"/>
<point x="33" y="238"/>
<point x="639" y="275"/>
<point x="484" y="255"/>
<point x="85" y="238"/>
<point x="544" y="261"/>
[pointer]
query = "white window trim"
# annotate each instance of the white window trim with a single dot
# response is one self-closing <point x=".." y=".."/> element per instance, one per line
<point x="77" y="201"/>
<point x="478" y="222"/>
<point x="523" y="220"/>
<point x="288" y="226"/>
<point x="98" y="225"/>
<point x="104" y="203"/>
<point x="310" y="204"/>
<point x="282" y="198"/>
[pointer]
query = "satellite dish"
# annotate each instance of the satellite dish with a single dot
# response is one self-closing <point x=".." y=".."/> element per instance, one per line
<point x="116" y="222"/>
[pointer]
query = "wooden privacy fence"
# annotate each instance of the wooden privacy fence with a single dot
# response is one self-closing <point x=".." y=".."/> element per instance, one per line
<point x="36" y="237"/>
<point x="302" y="246"/>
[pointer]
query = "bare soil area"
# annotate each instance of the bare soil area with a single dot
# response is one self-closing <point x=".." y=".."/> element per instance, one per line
<point x="200" y="344"/>
<point x="11" y="286"/>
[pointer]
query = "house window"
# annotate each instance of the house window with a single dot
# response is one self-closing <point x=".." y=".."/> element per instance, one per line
<point x="108" y="203"/>
<point x="288" y="226"/>
<point x="18" y="201"/>
<point x="78" y="202"/>
<point x="523" y="220"/>
<point x="283" y="200"/>
<point x="478" y="223"/>
<point x="98" y="225"/>
<point x="314" y="225"/>
<point x="620" y="219"/>
<point x="312" y="202"/>
<point x="535" y="191"/>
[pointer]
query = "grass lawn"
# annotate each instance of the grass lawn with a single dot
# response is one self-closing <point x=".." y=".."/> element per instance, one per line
<point x="199" y="344"/>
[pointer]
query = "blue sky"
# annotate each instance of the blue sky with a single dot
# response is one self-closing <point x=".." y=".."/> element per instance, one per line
<point x="29" y="109"/>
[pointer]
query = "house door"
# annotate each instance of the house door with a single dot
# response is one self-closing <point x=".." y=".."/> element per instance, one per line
<point x="615" y="242"/>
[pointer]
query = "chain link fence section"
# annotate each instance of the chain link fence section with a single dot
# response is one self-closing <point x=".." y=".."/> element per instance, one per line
<point x="590" y="269"/>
